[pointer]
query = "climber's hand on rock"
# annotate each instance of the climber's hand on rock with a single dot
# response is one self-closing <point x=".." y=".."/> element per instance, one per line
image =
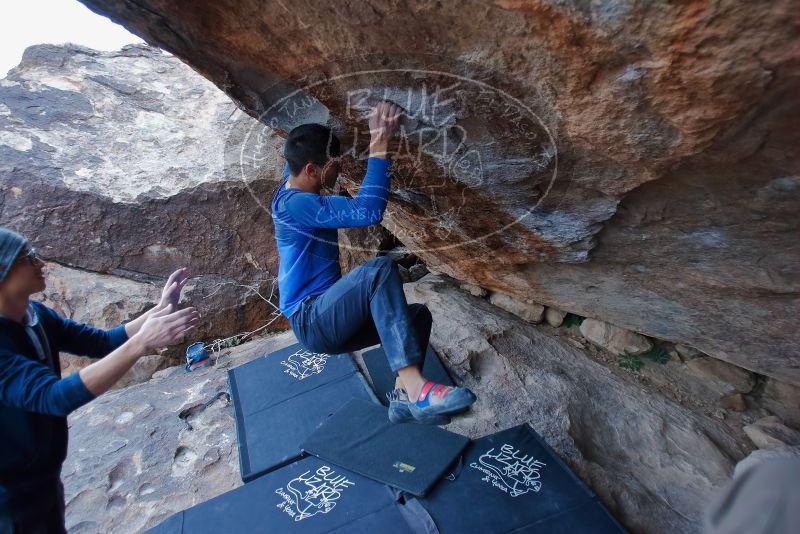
<point x="383" y="121"/>
<point x="165" y="327"/>
<point x="171" y="294"/>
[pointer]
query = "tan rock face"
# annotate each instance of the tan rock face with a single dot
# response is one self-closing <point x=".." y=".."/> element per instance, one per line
<point x="144" y="368"/>
<point x="686" y="352"/>
<point x="720" y="377"/>
<point x="734" y="401"/>
<point x="535" y="125"/>
<point x="613" y="338"/>
<point x="103" y="301"/>
<point x="770" y="432"/>
<point x="554" y="317"/>
<point x="783" y="400"/>
<point x="472" y="289"/>
<point x="151" y="463"/>
<point x="529" y="311"/>
<point x="644" y="445"/>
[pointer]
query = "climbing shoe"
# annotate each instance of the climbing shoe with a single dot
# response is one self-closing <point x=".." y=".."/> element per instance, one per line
<point x="400" y="411"/>
<point x="437" y="399"/>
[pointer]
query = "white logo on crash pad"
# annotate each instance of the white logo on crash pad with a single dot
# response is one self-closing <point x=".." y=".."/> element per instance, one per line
<point x="509" y="470"/>
<point x="303" y="364"/>
<point x="312" y="493"/>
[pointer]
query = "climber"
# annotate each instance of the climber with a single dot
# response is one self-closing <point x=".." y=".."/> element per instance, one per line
<point x="332" y="313"/>
<point x="35" y="400"/>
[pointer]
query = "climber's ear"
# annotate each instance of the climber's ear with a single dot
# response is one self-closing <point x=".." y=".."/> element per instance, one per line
<point x="311" y="170"/>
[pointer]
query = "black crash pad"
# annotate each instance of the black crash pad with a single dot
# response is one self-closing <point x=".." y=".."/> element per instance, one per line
<point x="382" y="377"/>
<point x="512" y="481"/>
<point x="410" y="457"/>
<point x="284" y="373"/>
<point x="308" y="496"/>
<point x="281" y="398"/>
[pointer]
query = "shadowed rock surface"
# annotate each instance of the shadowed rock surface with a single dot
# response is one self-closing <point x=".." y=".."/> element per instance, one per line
<point x="359" y="245"/>
<point x="633" y="162"/>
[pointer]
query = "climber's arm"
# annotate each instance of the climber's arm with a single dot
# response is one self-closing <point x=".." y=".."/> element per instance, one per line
<point x="366" y="208"/>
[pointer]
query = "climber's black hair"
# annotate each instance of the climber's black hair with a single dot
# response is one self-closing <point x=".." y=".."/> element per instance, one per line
<point x="309" y="143"/>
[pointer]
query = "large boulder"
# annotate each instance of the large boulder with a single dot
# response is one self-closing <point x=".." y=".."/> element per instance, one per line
<point x="118" y="167"/>
<point x="628" y="442"/>
<point x="721" y="377"/>
<point x="632" y="161"/>
<point x="554" y="317"/>
<point x="116" y="162"/>
<point x="704" y="382"/>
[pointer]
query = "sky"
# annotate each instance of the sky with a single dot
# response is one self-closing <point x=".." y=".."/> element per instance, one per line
<point x="27" y="22"/>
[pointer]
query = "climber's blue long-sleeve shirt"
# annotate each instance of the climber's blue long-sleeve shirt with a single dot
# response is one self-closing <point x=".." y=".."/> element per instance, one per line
<point x="35" y="400"/>
<point x="306" y="232"/>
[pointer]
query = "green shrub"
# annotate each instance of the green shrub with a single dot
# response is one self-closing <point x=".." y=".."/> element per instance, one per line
<point x="630" y="361"/>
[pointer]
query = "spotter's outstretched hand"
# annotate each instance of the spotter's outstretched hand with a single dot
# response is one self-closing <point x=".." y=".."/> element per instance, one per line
<point x="171" y="294"/>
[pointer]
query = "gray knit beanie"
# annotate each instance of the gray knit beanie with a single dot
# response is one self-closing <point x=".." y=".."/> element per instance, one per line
<point x="11" y="243"/>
